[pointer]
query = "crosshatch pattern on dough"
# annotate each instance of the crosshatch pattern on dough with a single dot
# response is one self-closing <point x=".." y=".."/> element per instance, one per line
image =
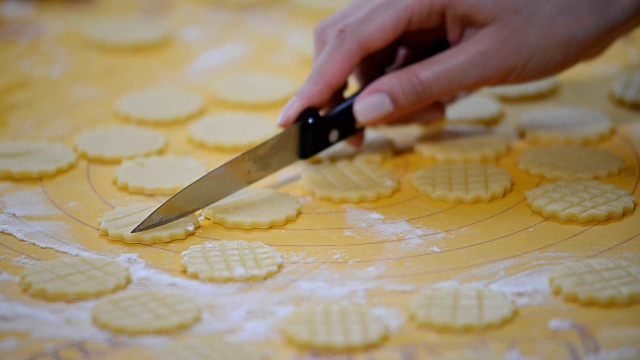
<point x="165" y="174"/>
<point x="472" y="147"/>
<point x="570" y="162"/>
<point x="565" y="125"/>
<point x="159" y="105"/>
<point x="34" y="159"/>
<point x="75" y="278"/>
<point x="231" y="260"/>
<point x="626" y="89"/>
<point x="116" y="143"/>
<point x="145" y="312"/>
<point x="582" y="201"/>
<point x="205" y="348"/>
<point x="597" y="282"/>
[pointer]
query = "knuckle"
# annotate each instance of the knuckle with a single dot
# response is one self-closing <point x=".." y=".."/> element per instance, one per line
<point x="412" y="89"/>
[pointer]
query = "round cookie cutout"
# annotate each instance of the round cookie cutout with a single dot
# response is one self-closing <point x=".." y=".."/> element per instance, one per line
<point x="463" y="145"/>
<point x="128" y="31"/>
<point x="602" y="282"/>
<point x="34" y="159"/>
<point x="205" y="348"/>
<point x="525" y="90"/>
<point x="565" y="125"/>
<point x="159" y="105"/>
<point x="570" y="162"/>
<point x="137" y="312"/>
<point x="158" y="174"/>
<point x="229" y="130"/>
<point x="254" y="88"/>
<point x="626" y="89"/>
<point x="475" y="109"/>
<point x="117" y="143"/>
<point x="71" y="279"/>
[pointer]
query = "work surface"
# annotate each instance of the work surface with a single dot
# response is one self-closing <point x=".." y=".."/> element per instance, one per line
<point x="379" y="253"/>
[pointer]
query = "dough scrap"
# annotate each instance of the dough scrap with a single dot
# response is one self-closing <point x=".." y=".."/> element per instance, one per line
<point x="228" y="130"/>
<point x="229" y="260"/>
<point x="158" y="174"/>
<point x="159" y="105"/>
<point x="205" y="348"/>
<point x="334" y="327"/>
<point x="118" y="223"/>
<point x="72" y="279"/>
<point x="253" y="208"/>
<point x="626" y="89"/>
<point x="565" y="125"/>
<point x="34" y="159"/>
<point x="461" y="308"/>
<point x="254" y="88"/>
<point x="475" y="108"/>
<point x="530" y="89"/>
<point x="570" y="162"/>
<point x="375" y="148"/>
<point x="463" y="145"/>
<point x="601" y="282"/>
<point x="145" y="312"/>
<point x="580" y="200"/>
<point x="349" y="181"/>
<point x="128" y="31"/>
<point x="116" y="143"/>
<point x="462" y="182"/>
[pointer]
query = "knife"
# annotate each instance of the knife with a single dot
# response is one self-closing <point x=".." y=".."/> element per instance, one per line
<point x="311" y="134"/>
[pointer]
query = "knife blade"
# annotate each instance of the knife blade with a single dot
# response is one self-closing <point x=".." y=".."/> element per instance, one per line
<point x="311" y="134"/>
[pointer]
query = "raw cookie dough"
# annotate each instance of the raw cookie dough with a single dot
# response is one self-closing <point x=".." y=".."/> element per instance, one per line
<point x="229" y="130"/>
<point x="461" y="308"/>
<point x="334" y="327"/>
<point x="475" y="108"/>
<point x="77" y="278"/>
<point x="626" y="89"/>
<point x="463" y="145"/>
<point x="349" y="181"/>
<point x="254" y="88"/>
<point x="127" y="31"/>
<point x="530" y="89"/>
<point x="253" y="208"/>
<point x="565" y="125"/>
<point x="580" y="200"/>
<point x="159" y="105"/>
<point x="34" y="159"/>
<point x="158" y="174"/>
<point x="205" y="348"/>
<point x="601" y="282"/>
<point x="462" y="182"/>
<point x="145" y="312"/>
<point x="570" y="162"/>
<point x="116" y="143"/>
<point x="118" y="223"/>
<point x="375" y="148"/>
<point x="228" y="260"/>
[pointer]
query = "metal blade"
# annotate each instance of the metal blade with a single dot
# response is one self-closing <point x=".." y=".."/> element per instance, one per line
<point x="241" y="171"/>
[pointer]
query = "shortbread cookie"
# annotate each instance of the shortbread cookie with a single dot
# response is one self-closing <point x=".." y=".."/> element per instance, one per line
<point x="626" y="89"/>
<point x="375" y="148"/>
<point x="77" y="278"/>
<point x="462" y="182"/>
<point x="231" y="130"/>
<point x="570" y="162"/>
<point x="530" y="89"/>
<point x="463" y="145"/>
<point x="205" y="348"/>
<point x="158" y="174"/>
<point x="254" y="88"/>
<point x="116" y="143"/>
<point x="475" y="108"/>
<point x="253" y="208"/>
<point x="565" y="125"/>
<point x="228" y="260"/>
<point x="159" y="105"/>
<point x="145" y="312"/>
<point x="580" y="200"/>
<point x="461" y="308"/>
<point x="334" y="327"/>
<point x="34" y="159"/>
<point x="118" y="223"/>
<point x="349" y="181"/>
<point x="127" y="31"/>
<point x="597" y="282"/>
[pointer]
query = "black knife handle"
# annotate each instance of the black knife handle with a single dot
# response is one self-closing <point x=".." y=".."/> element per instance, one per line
<point x="319" y="132"/>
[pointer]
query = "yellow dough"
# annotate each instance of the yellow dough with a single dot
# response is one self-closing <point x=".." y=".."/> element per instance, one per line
<point x="228" y="130"/>
<point x="597" y="282"/>
<point x="145" y="312"/>
<point x="570" y="162"/>
<point x="349" y="181"/>
<point x="530" y="89"/>
<point x="375" y="148"/>
<point x="254" y="88"/>
<point x="462" y="182"/>
<point x="461" y="308"/>
<point x="34" y="159"/>
<point x="626" y="89"/>
<point x="205" y="348"/>
<point x="321" y="8"/>
<point x="334" y="327"/>
<point x="580" y="200"/>
<point x="118" y="223"/>
<point x="253" y="208"/>
<point x="565" y="125"/>
<point x="463" y="145"/>
<point x="158" y="174"/>
<point x="228" y="260"/>
<point x="71" y="279"/>
<point x="128" y="31"/>
<point x="116" y="143"/>
<point x="475" y="108"/>
<point x="159" y="105"/>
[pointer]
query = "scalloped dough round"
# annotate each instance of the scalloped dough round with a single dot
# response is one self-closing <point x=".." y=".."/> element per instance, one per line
<point x="159" y="105"/>
<point x="158" y="174"/>
<point x="34" y="159"/>
<point x="229" y="130"/>
<point x="116" y="143"/>
<point x="254" y="88"/>
<point x="475" y="108"/>
<point x="463" y="145"/>
<point x="128" y="31"/>
<point x="565" y="125"/>
<point x="530" y="89"/>
<point x="570" y="162"/>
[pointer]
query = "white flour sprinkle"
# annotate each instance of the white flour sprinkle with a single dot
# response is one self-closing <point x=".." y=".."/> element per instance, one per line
<point x="27" y="203"/>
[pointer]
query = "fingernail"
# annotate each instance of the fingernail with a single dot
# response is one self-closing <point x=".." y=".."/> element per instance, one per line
<point x="373" y="107"/>
<point x="286" y="113"/>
